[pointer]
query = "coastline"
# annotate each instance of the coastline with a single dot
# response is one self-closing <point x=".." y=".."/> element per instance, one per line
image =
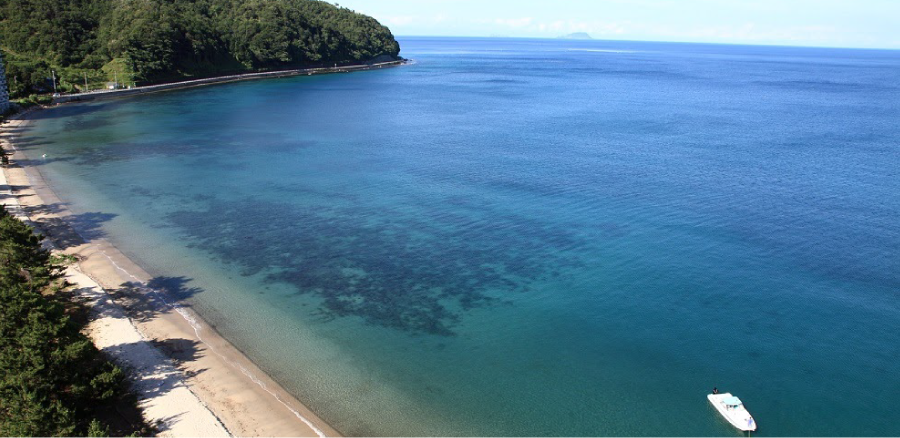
<point x="187" y="355"/>
<point x="110" y="94"/>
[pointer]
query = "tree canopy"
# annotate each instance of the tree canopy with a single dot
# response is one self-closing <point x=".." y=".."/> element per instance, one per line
<point x="158" y="40"/>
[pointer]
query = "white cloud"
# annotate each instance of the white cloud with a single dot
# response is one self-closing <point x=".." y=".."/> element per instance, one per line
<point x="398" y="20"/>
<point x="514" y="22"/>
<point x="747" y="32"/>
<point x="569" y="26"/>
<point x="753" y="33"/>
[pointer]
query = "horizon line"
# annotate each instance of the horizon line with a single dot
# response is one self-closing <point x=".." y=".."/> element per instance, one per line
<point x="562" y="37"/>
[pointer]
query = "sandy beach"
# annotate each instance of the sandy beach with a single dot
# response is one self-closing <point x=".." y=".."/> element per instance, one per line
<point x="191" y="381"/>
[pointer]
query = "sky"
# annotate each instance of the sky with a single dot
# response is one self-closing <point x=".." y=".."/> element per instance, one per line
<point x="826" y="23"/>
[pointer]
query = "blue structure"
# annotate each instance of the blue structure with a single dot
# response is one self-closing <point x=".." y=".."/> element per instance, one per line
<point x="4" y="93"/>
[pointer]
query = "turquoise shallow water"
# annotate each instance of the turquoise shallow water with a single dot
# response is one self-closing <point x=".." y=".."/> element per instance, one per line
<point x="527" y="237"/>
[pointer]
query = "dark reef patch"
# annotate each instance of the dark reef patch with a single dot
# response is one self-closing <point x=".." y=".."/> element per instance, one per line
<point x="410" y="273"/>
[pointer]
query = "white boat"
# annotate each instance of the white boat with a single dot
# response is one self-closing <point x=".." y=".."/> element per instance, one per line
<point x="732" y="408"/>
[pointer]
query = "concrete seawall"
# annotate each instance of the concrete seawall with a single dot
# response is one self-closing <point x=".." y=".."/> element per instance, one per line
<point x="109" y="94"/>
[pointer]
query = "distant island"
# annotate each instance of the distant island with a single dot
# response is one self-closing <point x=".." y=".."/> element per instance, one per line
<point x="576" y="36"/>
<point x="73" y="45"/>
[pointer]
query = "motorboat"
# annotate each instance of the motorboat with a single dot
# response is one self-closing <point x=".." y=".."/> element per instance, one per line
<point x="732" y="408"/>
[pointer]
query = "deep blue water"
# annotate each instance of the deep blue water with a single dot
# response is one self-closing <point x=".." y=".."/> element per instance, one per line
<point x="527" y="237"/>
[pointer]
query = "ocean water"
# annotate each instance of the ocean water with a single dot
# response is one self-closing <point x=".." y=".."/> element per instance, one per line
<point x="527" y="237"/>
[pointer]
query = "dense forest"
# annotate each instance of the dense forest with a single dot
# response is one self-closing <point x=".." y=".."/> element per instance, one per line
<point x="53" y="380"/>
<point x="94" y="42"/>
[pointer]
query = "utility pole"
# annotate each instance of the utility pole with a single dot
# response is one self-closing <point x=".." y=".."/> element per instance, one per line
<point x="116" y="76"/>
<point x="53" y="75"/>
<point x="85" y="83"/>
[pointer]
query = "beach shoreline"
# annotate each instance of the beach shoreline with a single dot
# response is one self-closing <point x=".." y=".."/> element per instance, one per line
<point x="235" y="390"/>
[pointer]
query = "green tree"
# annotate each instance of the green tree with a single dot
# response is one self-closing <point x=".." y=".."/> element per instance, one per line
<point x="53" y="380"/>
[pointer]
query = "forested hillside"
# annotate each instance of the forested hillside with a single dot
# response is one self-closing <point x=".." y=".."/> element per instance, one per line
<point x="97" y="41"/>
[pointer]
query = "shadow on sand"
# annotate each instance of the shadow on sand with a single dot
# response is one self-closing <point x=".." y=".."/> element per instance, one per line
<point x="72" y="230"/>
<point x="144" y="302"/>
<point x="157" y="367"/>
<point x="154" y="374"/>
